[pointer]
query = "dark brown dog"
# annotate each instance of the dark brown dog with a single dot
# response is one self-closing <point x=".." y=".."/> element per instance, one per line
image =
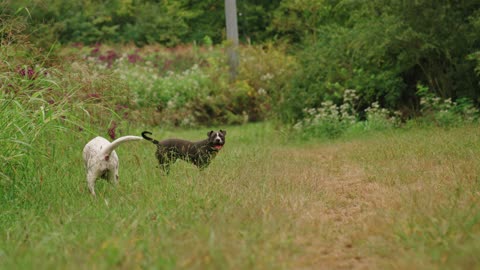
<point x="199" y="153"/>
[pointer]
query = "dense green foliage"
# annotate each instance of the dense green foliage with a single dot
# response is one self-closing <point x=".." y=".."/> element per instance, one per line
<point x="139" y="21"/>
<point x="383" y="49"/>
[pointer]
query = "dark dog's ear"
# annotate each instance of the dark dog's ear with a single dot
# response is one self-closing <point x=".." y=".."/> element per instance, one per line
<point x="209" y="133"/>
<point x="224" y="132"/>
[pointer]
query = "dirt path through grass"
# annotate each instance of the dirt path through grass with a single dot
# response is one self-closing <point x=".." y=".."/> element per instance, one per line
<point x="398" y="202"/>
<point x="338" y="210"/>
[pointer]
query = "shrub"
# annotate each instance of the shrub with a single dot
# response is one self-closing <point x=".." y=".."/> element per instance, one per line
<point x="268" y="70"/>
<point x="172" y="91"/>
<point x="382" y="50"/>
<point x="189" y="85"/>
<point x="445" y="112"/>
<point x="164" y="82"/>
<point x="332" y="121"/>
<point x="237" y="103"/>
<point x="329" y="120"/>
<point x="378" y="118"/>
<point x="264" y="73"/>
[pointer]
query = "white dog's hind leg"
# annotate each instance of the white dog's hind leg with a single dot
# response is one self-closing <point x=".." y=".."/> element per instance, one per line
<point x="113" y="168"/>
<point x="91" y="177"/>
<point x="113" y="176"/>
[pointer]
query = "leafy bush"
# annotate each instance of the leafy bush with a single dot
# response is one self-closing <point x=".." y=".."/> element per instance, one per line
<point x="142" y="22"/>
<point x="325" y="121"/>
<point x="445" y="112"/>
<point x="378" y="118"/>
<point x="268" y="70"/>
<point x="264" y="74"/>
<point x="172" y="91"/>
<point x="343" y="60"/>
<point x="476" y="57"/>
<point x="189" y="85"/>
<point x="332" y="121"/>
<point x="329" y="120"/>
<point x="383" y="49"/>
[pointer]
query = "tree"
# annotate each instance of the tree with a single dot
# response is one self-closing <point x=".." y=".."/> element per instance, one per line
<point x="383" y="49"/>
<point x="232" y="36"/>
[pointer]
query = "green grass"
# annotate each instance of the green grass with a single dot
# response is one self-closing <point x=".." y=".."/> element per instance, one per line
<point x="389" y="200"/>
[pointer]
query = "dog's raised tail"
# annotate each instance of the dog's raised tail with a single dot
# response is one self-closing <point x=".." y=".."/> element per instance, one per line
<point x="109" y="149"/>
<point x="144" y="135"/>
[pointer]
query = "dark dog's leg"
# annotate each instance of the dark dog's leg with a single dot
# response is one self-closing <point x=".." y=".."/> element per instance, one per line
<point x="165" y="161"/>
<point x="165" y="168"/>
<point x="203" y="166"/>
<point x="201" y="162"/>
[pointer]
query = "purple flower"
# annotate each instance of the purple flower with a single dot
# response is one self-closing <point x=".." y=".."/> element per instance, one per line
<point x="112" y="55"/>
<point x="111" y="130"/>
<point x="95" y="51"/>
<point x="109" y="57"/>
<point x="133" y="58"/>
<point x="28" y="72"/>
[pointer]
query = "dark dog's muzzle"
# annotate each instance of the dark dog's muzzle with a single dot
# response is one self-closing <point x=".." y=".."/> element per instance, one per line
<point x="217" y="146"/>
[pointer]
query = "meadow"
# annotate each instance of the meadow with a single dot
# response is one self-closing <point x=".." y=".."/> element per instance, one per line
<point x="404" y="199"/>
<point x="308" y="179"/>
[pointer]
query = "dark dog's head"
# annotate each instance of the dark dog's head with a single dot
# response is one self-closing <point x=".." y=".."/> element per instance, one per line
<point x="216" y="139"/>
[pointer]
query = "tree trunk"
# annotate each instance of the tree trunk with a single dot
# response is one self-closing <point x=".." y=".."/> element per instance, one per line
<point x="232" y="37"/>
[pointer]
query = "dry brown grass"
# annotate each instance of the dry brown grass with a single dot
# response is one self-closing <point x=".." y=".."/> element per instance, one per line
<point x="334" y="206"/>
<point x="376" y="203"/>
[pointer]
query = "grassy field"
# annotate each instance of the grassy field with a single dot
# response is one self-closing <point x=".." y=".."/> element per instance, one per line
<point x="408" y="199"/>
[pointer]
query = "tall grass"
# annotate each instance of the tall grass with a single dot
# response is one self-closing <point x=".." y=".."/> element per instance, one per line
<point x="183" y="220"/>
<point x="26" y="117"/>
<point x="395" y="200"/>
<point x="41" y="97"/>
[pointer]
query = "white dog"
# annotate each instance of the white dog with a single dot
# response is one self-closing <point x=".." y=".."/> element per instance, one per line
<point x="101" y="159"/>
